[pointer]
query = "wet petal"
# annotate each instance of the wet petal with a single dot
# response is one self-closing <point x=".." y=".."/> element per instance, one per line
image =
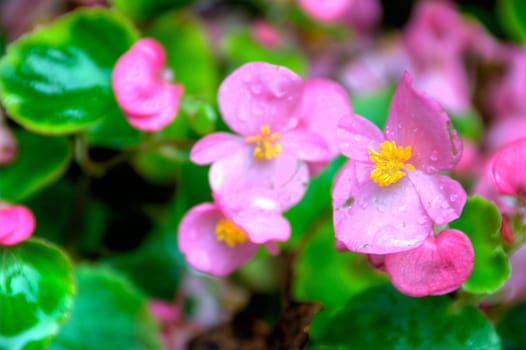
<point x="507" y="168"/>
<point x="275" y="184"/>
<point x="356" y="135"/>
<point x="306" y="145"/>
<point x="216" y="146"/>
<point x="377" y="220"/>
<point x="442" y="197"/>
<point x="418" y="121"/>
<point x="263" y="227"/>
<point x="198" y="241"/>
<point x="258" y="94"/>
<point x="440" y="265"/>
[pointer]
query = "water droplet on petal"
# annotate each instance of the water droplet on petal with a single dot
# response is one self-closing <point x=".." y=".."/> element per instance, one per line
<point x="357" y="138"/>
<point x="453" y="197"/>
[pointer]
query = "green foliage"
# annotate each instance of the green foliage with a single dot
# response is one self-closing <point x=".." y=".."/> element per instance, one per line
<point x="241" y="47"/>
<point x="108" y="313"/>
<point x="374" y="105"/>
<point x="511" y="328"/>
<point x="382" y="318"/>
<point x="481" y="221"/>
<point x="36" y="292"/>
<point x="40" y="161"/>
<point x="146" y="9"/>
<point x="512" y="16"/>
<point x="56" y="80"/>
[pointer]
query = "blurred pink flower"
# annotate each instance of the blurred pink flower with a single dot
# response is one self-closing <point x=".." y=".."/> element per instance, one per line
<point x="8" y="144"/>
<point x="260" y="102"/>
<point x="444" y="262"/>
<point x="217" y="240"/>
<point x="436" y="38"/>
<point x="389" y="194"/>
<point x="17" y="223"/>
<point x="266" y="34"/>
<point x="142" y="88"/>
<point x="507" y="168"/>
<point x="514" y="289"/>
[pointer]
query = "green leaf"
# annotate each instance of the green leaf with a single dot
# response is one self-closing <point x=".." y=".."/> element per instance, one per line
<point x="108" y="314"/>
<point x="40" y="161"/>
<point x="511" y="328"/>
<point x="241" y="47"/>
<point x="468" y="124"/>
<point x="481" y="221"/>
<point x="374" y="105"/>
<point x="36" y="292"/>
<point x="382" y="318"/>
<point x="56" y="80"/>
<point x="147" y="9"/>
<point x="201" y="115"/>
<point x="512" y="16"/>
<point x="191" y="44"/>
<point x="331" y="277"/>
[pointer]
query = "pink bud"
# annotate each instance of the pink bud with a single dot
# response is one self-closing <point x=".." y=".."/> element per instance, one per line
<point x="17" y="223"/>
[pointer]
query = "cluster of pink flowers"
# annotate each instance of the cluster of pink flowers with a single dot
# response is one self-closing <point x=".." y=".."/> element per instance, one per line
<point x="283" y="125"/>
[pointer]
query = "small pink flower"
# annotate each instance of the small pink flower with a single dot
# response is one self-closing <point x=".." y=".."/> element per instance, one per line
<point x="217" y="240"/>
<point x="266" y="34"/>
<point x="438" y="266"/>
<point x="260" y="102"/>
<point x="327" y="10"/>
<point x="142" y="88"/>
<point x="389" y="194"/>
<point x="17" y="223"/>
<point x="507" y="168"/>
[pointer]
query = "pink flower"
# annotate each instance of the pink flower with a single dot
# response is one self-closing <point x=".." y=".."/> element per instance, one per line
<point x="17" y="223"/>
<point x="142" y="88"/>
<point x="217" y="240"/>
<point x="514" y="289"/>
<point x="266" y="34"/>
<point x="438" y="266"/>
<point x="260" y="102"/>
<point x="388" y="196"/>
<point x="507" y="168"/>
<point x="327" y="10"/>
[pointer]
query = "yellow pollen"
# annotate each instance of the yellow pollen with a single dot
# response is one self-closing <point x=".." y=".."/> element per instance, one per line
<point x="266" y="145"/>
<point x="229" y="233"/>
<point x="390" y="163"/>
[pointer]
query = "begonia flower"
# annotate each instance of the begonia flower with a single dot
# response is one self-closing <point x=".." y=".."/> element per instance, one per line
<point x="507" y="169"/>
<point x="215" y="239"/>
<point x="514" y="289"/>
<point x="438" y="266"/>
<point x="260" y="101"/>
<point x="142" y="86"/>
<point x="389" y="194"/>
<point x="17" y="223"/>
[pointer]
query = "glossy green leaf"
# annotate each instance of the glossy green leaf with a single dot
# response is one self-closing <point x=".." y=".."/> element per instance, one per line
<point x="374" y="105"/>
<point x="56" y="80"/>
<point x="512" y="16"/>
<point x="382" y="318"/>
<point x="108" y="313"/>
<point x="185" y="40"/>
<point x="331" y="277"/>
<point x="511" y="328"/>
<point x="147" y="9"/>
<point x="114" y="131"/>
<point x="40" y="161"/>
<point x="481" y="221"/>
<point x="201" y="115"/>
<point x="36" y="293"/>
<point x="241" y="47"/>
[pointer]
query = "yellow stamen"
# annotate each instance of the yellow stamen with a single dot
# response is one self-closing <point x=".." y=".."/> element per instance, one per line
<point x="228" y="232"/>
<point x="266" y="145"/>
<point x="390" y="163"/>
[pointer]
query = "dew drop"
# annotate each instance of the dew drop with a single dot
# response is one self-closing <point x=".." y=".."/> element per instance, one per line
<point x="453" y="197"/>
<point x="357" y="138"/>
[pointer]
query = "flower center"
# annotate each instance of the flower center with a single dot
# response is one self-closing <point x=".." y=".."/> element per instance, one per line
<point x="266" y="145"/>
<point x="228" y="232"/>
<point x="389" y="163"/>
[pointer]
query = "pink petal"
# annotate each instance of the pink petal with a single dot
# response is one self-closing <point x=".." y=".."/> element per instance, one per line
<point x="326" y="10"/>
<point x="306" y="145"/>
<point x="275" y="185"/>
<point x="507" y="168"/>
<point x="17" y="223"/>
<point x="440" y="265"/>
<point x="198" y="241"/>
<point x="325" y="102"/>
<point x="258" y="94"/>
<point x="515" y="287"/>
<point x="377" y="261"/>
<point x="442" y="197"/>
<point x="148" y="101"/>
<point x="377" y="220"/>
<point x="418" y="121"/>
<point x="504" y="132"/>
<point x="8" y="144"/>
<point x="263" y="226"/>
<point x="356" y="135"/>
<point x="216" y="146"/>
